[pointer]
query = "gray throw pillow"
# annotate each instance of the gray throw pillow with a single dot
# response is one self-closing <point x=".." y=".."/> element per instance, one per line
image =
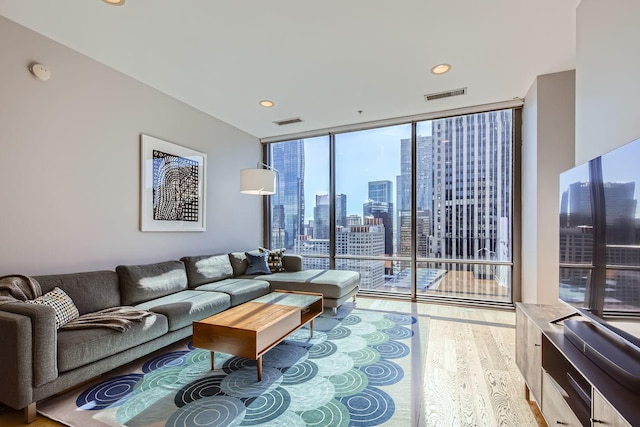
<point x="257" y="263"/>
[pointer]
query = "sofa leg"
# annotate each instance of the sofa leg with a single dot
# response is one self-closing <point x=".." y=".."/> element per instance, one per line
<point x="30" y="413"/>
<point x="334" y="310"/>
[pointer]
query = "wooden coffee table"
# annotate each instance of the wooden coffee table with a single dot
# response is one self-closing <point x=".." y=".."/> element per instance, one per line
<point x="253" y="328"/>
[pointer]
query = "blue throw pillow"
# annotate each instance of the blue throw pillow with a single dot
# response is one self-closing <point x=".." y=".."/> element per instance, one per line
<point x="257" y="263"/>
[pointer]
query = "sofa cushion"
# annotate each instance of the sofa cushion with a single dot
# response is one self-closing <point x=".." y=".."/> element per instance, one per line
<point x="90" y="291"/>
<point x="63" y="306"/>
<point x="140" y="283"/>
<point x="240" y="290"/>
<point x="185" y="307"/>
<point x="207" y="268"/>
<point x="331" y="283"/>
<point x="79" y="347"/>
<point x="257" y="263"/>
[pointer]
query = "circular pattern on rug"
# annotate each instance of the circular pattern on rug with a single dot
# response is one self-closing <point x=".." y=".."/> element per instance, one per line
<point x="168" y="378"/>
<point x="351" y="382"/>
<point x="205" y="387"/>
<point x="338" y="333"/>
<point x="199" y="355"/>
<point x="194" y="372"/>
<point x="366" y="356"/>
<point x="266" y="407"/>
<point x="332" y="414"/>
<point x="350" y="344"/>
<point x="302" y="337"/>
<point x="351" y="320"/>
<point x="284" y="356"/>
<point x="370" y="407"/>
<point x="312" y="394"/>
<point x="324" y="349"/>
<point x="235" y="363"/>
<point x="209" y="411"/>
<point x="362" y="328"/>
<point x="145" y="408"/>
<point x="335" y="364"/>
<point x="383" y="324"/>
<point x="383" y="373"/>
<point x="392" y="349"/>
<point x="174" y="358"/>
<point x="108" y="393"/>
<point x="299" y="373"/>
<point x="401" y="319"/>
<point x="325" y="323"/>
<point x="399" y="332"/>
<point x="244" y="382"/>
<point x="376" y="337"/>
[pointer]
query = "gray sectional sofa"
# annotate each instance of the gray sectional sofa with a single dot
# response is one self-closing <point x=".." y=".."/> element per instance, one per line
<point x="37" y="361"/>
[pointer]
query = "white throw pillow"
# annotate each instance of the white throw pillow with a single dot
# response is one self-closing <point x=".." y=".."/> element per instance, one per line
<point x="61" y="303"/>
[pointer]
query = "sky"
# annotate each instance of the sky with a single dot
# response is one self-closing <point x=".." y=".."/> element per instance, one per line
<point x="363" y="156"/>
<point x="619" y="165"/>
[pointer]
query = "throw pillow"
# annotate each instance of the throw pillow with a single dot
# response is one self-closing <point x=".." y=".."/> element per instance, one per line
<point x="62" y="305"/>
<point x="257" y="263"/>
<point x="274" y="260"/>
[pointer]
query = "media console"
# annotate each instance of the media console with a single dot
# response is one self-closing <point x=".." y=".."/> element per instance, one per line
<point x="570" y="387"/>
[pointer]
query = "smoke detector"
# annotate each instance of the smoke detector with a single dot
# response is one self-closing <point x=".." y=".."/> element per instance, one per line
<point x="40" y="72"/>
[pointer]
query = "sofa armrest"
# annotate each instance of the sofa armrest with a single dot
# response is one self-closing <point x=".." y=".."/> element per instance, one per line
<point x="16" y="360"/>
<point x="292" y="262"/>
<point x="43" y="340"/>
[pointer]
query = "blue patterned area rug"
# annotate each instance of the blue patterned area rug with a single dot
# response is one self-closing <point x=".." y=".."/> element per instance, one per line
<point x="361" y="368"/>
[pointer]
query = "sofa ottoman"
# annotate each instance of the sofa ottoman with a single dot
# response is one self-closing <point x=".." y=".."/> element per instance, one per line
<point x="337" y="286"/>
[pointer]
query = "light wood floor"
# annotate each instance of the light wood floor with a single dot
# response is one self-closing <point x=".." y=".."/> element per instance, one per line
<point x="469" y="373"/>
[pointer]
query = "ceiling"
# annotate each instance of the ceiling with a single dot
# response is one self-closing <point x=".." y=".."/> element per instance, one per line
<point x="321" y="61"/>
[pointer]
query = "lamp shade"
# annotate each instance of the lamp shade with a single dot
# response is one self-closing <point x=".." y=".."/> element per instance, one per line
<point x="258" y="181"/>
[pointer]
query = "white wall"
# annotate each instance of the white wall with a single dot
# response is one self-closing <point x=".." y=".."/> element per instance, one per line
<point x="607" y="76"/>
<point x="69" y="165"/>
<point x="547" y="149"/>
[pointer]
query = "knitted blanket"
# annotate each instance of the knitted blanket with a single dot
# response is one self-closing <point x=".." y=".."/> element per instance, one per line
<point x="17" y="287"/>
<point x="118" y="318"/>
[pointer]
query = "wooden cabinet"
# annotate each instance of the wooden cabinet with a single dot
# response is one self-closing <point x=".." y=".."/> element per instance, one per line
<point x="529" y="354"/>
<point x="570" y="389"/>
<point x="604" y="414"/>
<point x="554" y="407"/>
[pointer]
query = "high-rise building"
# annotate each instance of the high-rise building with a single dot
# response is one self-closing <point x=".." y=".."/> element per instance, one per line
<point x="424" y="194"/>
<point x="363" y="240"/>
<point x="380" y="206"/>
<point x="354" y="220"/>
<point x="472" y="157"/>
<point x="321" y="217"/>
<point x="288" y="203"/>
<point x="381" y="191"/>
<point x="341" y="210"/>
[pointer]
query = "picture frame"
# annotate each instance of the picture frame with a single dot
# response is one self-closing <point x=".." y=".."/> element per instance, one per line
<point x="172" y="186"/>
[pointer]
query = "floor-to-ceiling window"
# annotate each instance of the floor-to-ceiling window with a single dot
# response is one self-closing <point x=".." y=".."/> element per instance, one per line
<point x="369" y="169"/>
<point x="423" y="208"/>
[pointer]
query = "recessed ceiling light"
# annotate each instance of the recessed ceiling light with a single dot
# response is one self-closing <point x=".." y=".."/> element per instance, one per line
<point x="440" y="68"/>
<point x="266" y="103"/>
<point x="114" y="2"/>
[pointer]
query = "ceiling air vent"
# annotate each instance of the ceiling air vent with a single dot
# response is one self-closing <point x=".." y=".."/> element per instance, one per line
<point x="288" y="121"/>
<point x="446" y="94"/>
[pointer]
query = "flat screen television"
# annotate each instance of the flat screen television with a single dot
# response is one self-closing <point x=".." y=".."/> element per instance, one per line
<point x="600" y="260"/>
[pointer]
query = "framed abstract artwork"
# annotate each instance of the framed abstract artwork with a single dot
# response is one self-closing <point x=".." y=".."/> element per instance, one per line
<point x="172" y="193"/>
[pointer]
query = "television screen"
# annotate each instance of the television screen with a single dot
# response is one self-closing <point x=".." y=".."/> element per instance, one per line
<point x="600" y="238"/>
